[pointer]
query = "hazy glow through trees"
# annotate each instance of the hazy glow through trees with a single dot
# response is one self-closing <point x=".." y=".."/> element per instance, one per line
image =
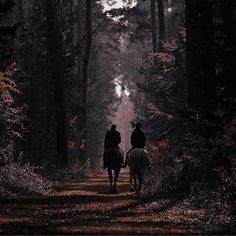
<point x="114" y="4"/>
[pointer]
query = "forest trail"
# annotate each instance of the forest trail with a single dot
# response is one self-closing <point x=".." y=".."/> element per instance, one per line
<point x="85" y="207"/>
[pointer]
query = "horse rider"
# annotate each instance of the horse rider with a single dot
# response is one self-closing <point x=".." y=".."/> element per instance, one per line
<point x="138" y="140"/>
<point x="112" y="140"/>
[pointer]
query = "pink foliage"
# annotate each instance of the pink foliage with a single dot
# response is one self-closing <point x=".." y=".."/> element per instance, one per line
<point x="11" y="115"/>
<point x="18" y="180"/>
<point x="7" y="87"/>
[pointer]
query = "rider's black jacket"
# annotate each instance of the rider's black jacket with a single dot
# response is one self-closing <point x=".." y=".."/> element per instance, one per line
<point x="138" y="139"/>
<point x="112" y="139"/>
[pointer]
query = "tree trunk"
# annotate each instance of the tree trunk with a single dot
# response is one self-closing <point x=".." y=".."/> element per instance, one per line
<point x="85" y="79"/>
<point x="161" y="20"/>
<point x="56" y="76"/>
<point x="80" y="35"/>
<point x="154" y="25"/>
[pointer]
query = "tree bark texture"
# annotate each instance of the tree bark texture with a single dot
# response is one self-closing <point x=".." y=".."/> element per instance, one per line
<point x="86" y="59"/>
<point x="56" y="76"/>
<point x="161" y="21"/>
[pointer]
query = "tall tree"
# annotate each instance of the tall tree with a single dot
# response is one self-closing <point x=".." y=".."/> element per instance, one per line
<point x="84" y="90"/>
<point x="161" y="21"/>
<point x="54" y="50"/>
<point x="48" y="78"/>
<point x="80" y="40"/>
<point x="154" y="25"/>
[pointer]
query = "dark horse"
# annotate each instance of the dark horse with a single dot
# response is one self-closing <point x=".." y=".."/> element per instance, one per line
<point x="113" y="159"/>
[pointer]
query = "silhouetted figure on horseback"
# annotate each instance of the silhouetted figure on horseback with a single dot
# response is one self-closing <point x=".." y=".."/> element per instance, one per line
<point x="138" y="140"/>
<point x="137" y="158"/>
<point x="112" y="138"/>
<point x="113" y="155"/>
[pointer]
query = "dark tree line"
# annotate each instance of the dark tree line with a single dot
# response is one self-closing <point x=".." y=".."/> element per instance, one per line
<point x="210" y="56"/>
<point x="52" y="43"/>
<point x="47" y="64"/>
<point x="186" y="98"/>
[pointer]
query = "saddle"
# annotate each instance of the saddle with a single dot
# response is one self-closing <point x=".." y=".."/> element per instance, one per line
<point x="113" y="155"/>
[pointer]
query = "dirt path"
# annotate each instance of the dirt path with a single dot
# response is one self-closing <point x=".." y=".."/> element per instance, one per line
<point x="86" y="208"/>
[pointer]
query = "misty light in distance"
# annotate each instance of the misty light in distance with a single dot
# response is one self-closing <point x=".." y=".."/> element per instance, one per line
<point x="107" y="7"/>
<point x="117" y="4"/>
<point x="118" y="88"/>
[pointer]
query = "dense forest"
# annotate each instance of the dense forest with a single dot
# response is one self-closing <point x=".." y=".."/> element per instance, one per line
<point x="69" y="68"/>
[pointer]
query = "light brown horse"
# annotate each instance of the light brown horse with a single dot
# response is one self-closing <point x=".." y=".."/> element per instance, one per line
<point x="113" y="159"/>
<point x="137" y="161"/>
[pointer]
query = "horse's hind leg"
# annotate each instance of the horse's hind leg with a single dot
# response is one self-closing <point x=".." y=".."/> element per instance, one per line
<point x="140" y="181"/>
<point x="115" y="179"/>
<point x="109" y="170"/>
<point x="135" y="181"/>
<point x="131" y="174"/>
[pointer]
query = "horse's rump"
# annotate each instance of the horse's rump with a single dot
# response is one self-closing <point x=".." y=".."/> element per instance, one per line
<point x="138" y="159"/>
<point x="113" y="157"/>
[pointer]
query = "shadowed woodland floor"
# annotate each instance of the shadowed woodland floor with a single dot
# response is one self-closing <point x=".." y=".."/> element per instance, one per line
<point x="87" y="208"/>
